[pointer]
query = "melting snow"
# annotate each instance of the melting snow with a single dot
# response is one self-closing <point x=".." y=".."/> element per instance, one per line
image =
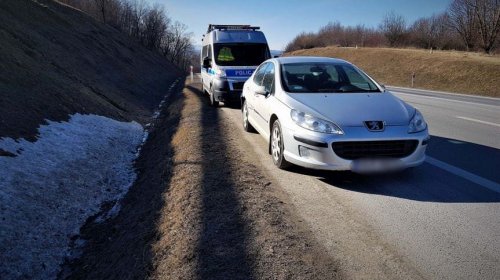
<point x="54" y="184"/>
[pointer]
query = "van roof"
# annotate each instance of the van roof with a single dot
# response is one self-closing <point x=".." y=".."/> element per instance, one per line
<point x="235" y="36"/>
<point x="212" y="27"/>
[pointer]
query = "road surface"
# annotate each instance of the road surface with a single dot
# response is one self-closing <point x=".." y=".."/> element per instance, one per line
<point x="437" y="221"/>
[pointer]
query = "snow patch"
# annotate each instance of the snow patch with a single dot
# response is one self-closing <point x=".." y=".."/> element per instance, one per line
<point x="53" y="185"/>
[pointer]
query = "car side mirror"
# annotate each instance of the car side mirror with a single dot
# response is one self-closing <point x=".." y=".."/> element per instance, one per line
<point x="261" y="90"/>
<point x="383" y="87"/>
<point x="207" y="62"/>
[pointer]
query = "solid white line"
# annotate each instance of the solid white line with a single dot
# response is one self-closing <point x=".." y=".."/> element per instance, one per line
<point x="442" y="98"/>
<point x="478" y="121"/>
<point x="464" y="174"/>
<point x="416" y="90"/>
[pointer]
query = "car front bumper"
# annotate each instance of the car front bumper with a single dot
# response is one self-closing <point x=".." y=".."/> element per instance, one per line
<point x="314" y="150"/>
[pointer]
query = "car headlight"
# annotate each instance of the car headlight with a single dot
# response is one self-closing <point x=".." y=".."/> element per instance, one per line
<point x="220" y="73"/>
<point x="315" y="124"/>
<point x="417" y="123"/>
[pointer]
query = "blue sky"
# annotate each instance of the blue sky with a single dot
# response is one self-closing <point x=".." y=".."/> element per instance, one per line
<point x="282" y="20"/>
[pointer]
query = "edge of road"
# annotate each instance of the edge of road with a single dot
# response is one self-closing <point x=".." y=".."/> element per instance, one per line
<point x="495" y="101"/>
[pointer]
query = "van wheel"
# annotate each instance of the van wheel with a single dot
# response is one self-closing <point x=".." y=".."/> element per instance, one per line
<point x="213" y="102"/>
<point x="277" y="146"/>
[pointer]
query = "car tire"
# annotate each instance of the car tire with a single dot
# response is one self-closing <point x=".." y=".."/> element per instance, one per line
<point x="277" y="146"/>
<point x="244" y="113"/>
<point x="213" y="102"/>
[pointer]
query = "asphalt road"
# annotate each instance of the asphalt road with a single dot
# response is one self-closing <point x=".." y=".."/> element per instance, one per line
<point x="437" y="221"/>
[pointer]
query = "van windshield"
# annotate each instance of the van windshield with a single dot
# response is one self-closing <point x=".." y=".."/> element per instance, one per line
<point x="242" y="54"/>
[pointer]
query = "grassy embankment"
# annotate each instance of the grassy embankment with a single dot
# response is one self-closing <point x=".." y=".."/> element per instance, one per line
<point x="460" y="72"/>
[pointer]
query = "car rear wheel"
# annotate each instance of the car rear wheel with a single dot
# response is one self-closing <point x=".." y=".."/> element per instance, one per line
<point x="277" y="146"/>
<point x="246" y="124"/>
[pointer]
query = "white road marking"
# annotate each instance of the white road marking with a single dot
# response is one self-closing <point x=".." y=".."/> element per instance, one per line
<point x="423" y="91"/>
<point x="478" y="121"/>
<point x="464" y="174"/>
<point x="442" y="98"/>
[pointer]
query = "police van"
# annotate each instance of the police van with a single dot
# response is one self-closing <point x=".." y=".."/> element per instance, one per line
<point x="229" y="55"/>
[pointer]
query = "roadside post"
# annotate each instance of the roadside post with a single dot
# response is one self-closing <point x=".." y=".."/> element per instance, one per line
<point x="412" y="79"/>
<point x="192" y="75"/>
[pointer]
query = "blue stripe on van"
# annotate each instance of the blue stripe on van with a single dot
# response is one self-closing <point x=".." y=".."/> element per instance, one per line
<point x="239" y="72"/>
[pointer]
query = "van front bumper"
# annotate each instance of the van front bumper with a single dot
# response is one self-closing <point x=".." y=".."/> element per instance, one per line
<point x="227" y="90"/>
<point x="231" y="96"/>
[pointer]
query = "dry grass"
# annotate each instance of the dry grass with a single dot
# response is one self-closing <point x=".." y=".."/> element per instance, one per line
<point x="460" y="72"/>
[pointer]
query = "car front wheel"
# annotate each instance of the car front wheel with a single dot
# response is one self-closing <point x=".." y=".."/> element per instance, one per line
<point x="246" y="124"/>
<point x="277" y="146"/>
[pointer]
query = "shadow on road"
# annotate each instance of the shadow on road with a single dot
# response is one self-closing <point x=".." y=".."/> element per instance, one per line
<point x="427" y="182"/>
<point x="222" y="246"/>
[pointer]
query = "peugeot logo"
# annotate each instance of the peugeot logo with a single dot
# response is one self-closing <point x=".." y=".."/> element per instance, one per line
<point x="374" y="125"/>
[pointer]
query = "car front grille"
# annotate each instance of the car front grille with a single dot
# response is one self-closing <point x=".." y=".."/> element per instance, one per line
<point x="370" y="149"/>
<point x="238" y="86"/>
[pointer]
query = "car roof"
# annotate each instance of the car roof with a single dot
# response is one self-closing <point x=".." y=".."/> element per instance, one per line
<point x="299" y="59"/>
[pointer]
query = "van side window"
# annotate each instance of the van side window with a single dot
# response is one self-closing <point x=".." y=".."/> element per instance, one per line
<point x="204" y="52"/>
<point x="259" y="74"/>
<point x="209" y="52"/>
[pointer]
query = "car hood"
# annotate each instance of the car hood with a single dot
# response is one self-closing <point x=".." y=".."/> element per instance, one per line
<point x="353" y="109"/>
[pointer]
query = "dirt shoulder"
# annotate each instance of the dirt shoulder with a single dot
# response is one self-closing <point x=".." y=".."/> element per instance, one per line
<point x="201" y="209"/>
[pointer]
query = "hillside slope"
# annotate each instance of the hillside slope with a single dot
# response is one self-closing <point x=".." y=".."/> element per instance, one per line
<point x="446" y="71"/>
<point x="57" y="61"/>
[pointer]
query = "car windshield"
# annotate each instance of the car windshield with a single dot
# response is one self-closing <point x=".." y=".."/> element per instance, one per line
<point x="325" y="77"/>
<point x="242" y="54"/>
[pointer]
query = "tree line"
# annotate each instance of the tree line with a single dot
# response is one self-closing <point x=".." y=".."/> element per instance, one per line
<point x="148" y="24"/>
<point x="470" y="25"/>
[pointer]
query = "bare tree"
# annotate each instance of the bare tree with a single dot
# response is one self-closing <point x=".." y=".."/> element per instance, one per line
<point x="430" y="32"/>
<point x="360" y="35"/>
<point x="394" y="28"/>
<point x="102" y="6"/>
<point x="155" y="27"/>
<point x="149" y="25"/>
<point x="335" y="34"/>
<point x="488" y="20"/>
<point x="463" y="21"/>
<point x="303" y="41"/>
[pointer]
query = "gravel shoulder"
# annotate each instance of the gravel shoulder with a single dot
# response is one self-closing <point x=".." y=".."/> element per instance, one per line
<point x="201" y="208"/>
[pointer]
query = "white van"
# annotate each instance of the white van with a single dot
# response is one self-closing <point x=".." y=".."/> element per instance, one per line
<point x="229" y="55"/>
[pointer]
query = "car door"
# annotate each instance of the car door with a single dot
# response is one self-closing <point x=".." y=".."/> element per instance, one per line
<point x="252" y="97"/>
<point x="262" y="102"/>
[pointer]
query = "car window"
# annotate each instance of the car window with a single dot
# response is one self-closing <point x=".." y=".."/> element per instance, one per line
<point x="268" y="80"/>
<point x="259" y="74"/>
<point x="355" y="78"/>
<point x="325" y="77"/>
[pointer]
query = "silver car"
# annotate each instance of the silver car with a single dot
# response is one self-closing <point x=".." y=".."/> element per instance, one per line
<point x="325" y="113"/>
